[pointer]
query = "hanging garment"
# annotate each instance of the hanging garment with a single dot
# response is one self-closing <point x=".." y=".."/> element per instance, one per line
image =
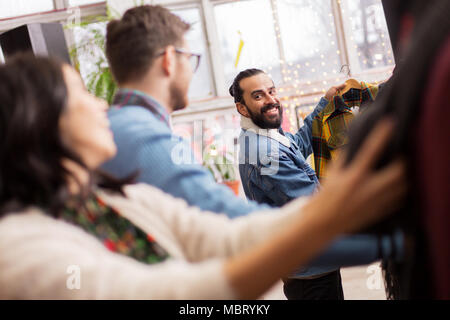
<point x="329" y="129"/>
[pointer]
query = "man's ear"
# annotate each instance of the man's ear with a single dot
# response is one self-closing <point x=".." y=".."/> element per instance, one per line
<point x="168" y="60"/>
<point x="242" y="110"/>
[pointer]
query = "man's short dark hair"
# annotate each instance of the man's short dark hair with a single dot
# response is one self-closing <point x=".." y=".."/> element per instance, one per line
<point x="236" y="90"/>
<point x="133" y="42"/>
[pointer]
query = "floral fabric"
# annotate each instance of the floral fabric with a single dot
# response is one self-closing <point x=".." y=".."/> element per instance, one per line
<point x="116" y="233"/>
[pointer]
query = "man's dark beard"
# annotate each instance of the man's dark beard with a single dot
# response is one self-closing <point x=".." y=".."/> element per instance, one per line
<point x="261" y="121"/>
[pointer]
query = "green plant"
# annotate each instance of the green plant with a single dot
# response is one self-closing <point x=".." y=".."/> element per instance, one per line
<point x="220" y="164"/>
<point x="89" y="53"/>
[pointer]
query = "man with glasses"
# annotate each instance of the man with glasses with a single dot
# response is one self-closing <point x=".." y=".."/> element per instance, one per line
<point x="275" y="171"/>
<point x="153" y="66"/>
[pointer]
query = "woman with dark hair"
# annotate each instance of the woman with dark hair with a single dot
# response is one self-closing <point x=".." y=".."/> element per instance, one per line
<point x="56" y="207"/>
<point x="417" y="96"/>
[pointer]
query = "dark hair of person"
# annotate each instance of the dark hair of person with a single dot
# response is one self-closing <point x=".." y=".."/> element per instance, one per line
<point x="33" y="96"/>
<point x="134" y="41"/>
<point x="401" y="98"/>
<point x="235" y="90"/>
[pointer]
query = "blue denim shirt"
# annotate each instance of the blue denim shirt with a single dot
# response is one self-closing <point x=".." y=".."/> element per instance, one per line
<point x="146" y="144"/>
<point x="274" y="169"/>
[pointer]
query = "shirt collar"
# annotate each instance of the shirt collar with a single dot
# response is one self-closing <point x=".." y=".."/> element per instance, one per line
<point x="248" y="124"/>
<point x="128" y="97"/>
<point x="353" y="98"/>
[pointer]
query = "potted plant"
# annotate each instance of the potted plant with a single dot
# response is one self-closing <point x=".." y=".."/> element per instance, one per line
<point x="221" y="164"/>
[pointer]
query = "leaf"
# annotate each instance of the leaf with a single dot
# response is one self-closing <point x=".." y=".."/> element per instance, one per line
<point x="111" y="87"/>
<point x="100" y="87"/>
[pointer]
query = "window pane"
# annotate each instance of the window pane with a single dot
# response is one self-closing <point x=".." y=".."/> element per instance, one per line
<point x="201" y="85"/>
<point x="369" y="33"/>
<point x="252" y="21"/>
<point x="16" y="8"/>
<point x="220" y="130"/>
<point x="221" y="134"/>
<point x="76" y="3"/>
<point x="192" y="132"/>
<point x="309" y="38"/>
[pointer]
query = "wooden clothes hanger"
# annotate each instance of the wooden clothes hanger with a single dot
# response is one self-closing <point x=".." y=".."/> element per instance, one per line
<point x="351" y="83"/>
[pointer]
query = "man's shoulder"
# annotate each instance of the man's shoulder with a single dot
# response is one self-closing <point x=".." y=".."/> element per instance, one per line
<point x="135" y="119"/>
<point x="130" y="113"/>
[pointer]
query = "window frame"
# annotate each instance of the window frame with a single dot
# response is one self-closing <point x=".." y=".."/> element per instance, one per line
<point x="60" y="14"/>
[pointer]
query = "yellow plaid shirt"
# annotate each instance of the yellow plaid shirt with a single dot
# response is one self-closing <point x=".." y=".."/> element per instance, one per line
<point x="330" y="127"/>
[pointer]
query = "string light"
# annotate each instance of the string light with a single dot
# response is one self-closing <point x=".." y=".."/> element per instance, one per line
<point x="294" y="74"/>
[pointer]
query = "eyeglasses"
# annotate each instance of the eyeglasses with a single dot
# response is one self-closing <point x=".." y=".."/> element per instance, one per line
<point x="194" y="58"/>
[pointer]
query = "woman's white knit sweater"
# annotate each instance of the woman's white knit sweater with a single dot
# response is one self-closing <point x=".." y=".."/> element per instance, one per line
<point x="45" y="258"/>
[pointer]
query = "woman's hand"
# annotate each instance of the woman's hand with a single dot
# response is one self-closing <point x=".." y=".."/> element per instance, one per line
<point x="334" y="91"/>
<point x="355" y="196"/>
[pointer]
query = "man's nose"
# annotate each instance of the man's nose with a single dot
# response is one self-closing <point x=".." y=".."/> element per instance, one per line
<point x="270" y="99"/>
